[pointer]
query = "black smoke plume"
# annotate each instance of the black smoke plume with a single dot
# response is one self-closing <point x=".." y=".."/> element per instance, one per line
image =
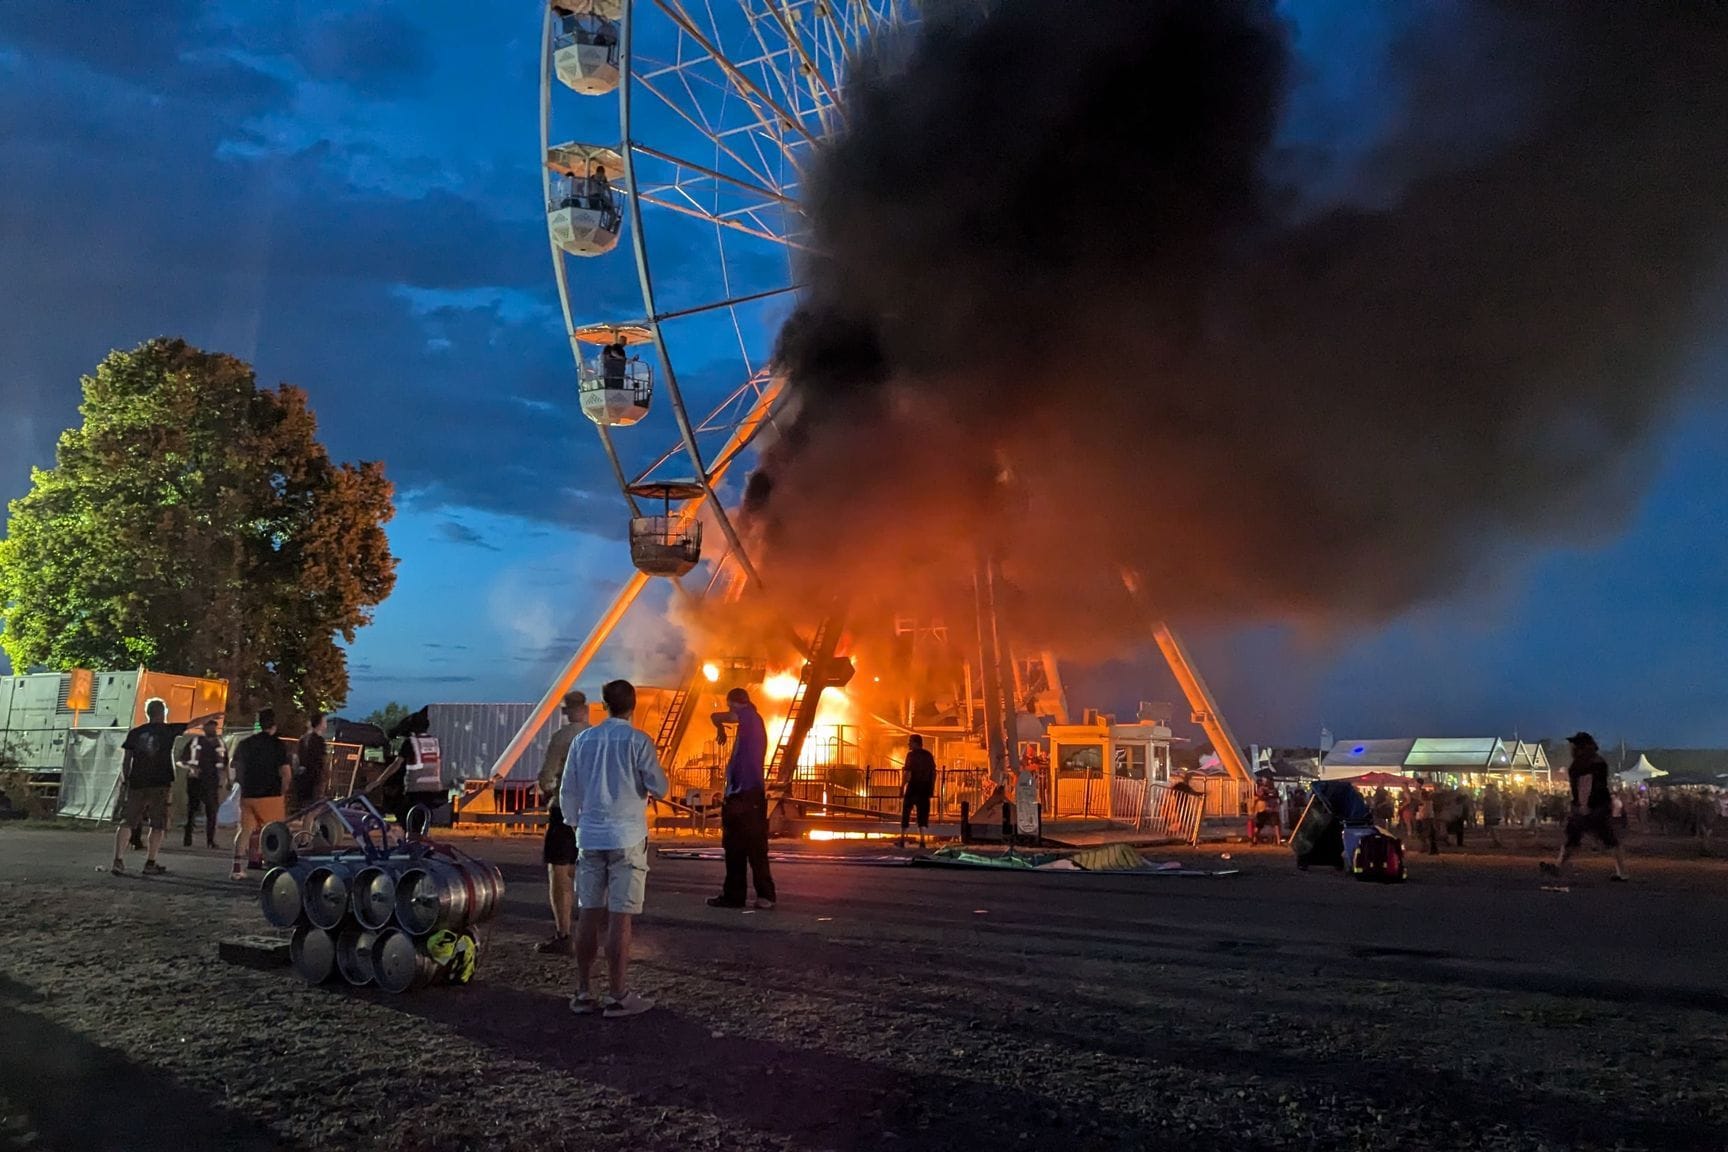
<point x="1070" y="307"/>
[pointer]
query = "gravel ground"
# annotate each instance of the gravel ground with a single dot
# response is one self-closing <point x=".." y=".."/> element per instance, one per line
<point x="896" y="1008"/>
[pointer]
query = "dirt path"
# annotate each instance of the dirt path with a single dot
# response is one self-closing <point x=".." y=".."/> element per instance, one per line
<point x="896" y="1009"/>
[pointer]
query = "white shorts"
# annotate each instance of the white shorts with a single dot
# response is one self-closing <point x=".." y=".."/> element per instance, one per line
<point x="615" y="879"/>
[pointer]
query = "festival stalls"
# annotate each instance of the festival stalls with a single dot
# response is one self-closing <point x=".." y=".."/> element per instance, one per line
<point x="1452" y="760"/>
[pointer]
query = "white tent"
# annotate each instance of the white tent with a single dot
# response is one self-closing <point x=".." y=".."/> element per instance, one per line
<point x="1640" y="772"/>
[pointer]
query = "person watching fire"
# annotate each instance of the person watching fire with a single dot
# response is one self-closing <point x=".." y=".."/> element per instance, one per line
<point x="744" y="808"/>
<point x="920" y="787"/>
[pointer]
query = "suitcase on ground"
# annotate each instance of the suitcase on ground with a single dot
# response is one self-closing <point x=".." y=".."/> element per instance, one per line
<point x="1377" y="856"/>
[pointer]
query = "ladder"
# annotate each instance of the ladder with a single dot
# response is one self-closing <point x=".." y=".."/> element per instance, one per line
<point x="673" y="723"/>
<point x="677" y="719"/>
<point x="801" y="715"/>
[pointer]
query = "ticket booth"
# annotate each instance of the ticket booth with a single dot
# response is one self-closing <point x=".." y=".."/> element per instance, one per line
<point x="1099" y="769"/>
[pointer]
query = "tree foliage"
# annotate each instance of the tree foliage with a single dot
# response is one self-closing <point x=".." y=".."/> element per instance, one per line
<point x="388" y="716"/>
<point x="195" y="524"/>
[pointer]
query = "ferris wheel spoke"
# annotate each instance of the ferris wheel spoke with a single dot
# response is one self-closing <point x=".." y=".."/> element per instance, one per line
<point x="729" y="302"/>
<point x="720" y="140"/>
<point x="747" y="88"/>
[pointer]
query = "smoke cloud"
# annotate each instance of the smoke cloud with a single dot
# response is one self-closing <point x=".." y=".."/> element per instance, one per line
<point x="1070" y="307"/>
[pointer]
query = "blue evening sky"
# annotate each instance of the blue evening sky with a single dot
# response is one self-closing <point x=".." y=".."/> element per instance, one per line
<point x="348" y="195"/>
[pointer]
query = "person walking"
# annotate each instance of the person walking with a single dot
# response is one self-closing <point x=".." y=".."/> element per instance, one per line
<point x="206" y="764"/>
<point x="1457" y="813"/>
<point x="266" y="778"/>
<point x="1426" y="821"/>
<point x="611" y="771"/>
<point x="558" y="850"/>
<point x="1592" y="806"/>
<point x="744" y="808"/>
<point x="1493" y="811"/>
<point x="920" y="786"/>
<point x="312" y="754"/>
<point x="147" y="769"/>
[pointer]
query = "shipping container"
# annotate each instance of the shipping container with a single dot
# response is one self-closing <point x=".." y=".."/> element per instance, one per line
<point x="35" y="717"/>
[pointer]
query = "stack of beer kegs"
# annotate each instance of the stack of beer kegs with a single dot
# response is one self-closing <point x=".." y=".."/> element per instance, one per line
<point x="401" y="917"/>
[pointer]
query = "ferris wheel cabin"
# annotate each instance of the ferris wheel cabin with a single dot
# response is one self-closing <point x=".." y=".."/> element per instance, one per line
<point x="614" y="383"/>
<point x="669" y="544"/>
<point x="582" y="210"/>
<point x="585" y="44"/>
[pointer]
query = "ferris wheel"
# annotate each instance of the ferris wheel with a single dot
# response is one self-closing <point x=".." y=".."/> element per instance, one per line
<point x="675" y="136"/>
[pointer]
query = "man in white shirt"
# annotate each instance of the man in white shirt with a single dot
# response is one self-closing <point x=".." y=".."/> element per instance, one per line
<point x="611" y="773"/>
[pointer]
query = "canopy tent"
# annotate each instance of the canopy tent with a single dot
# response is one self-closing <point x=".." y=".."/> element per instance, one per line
<point x="1350" y="758"/>
<point x="1640" y="772"/>
<point x="1384" y="780"/>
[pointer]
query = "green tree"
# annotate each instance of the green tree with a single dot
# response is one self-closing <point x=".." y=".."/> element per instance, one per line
<point x="388" y="716"/>
<point x="195" y="524"/>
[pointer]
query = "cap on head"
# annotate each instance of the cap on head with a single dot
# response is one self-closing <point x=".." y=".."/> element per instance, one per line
<point x="266" y="719"/>
<point x="737" y="696"/>
<point x="1581" y="740"/>
<point x="620" y="697"/>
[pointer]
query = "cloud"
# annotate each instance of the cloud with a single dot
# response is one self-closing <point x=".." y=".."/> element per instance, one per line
<point x="459" y="533"/>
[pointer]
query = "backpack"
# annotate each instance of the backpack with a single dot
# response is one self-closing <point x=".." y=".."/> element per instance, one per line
<point x="1378" y="856"/>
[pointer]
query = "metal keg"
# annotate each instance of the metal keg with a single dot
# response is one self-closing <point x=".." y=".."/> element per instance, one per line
<point x="354" y="954"/>
<point x="326" y="892"/>
<point x="373" y="895"/>
<point x="313" y="951"/>
<point x="276" y="843"/>
<point x="439" y="893"/>
<point x="282" y="895"/>
<point x="430" y="895"/>
<point x="399" y="963"/>
<point x="489" y="884"/>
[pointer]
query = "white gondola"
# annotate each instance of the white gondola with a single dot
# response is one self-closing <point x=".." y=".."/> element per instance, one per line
<point x="666" y="544"/>
<point x="585" y="44"/>
<point x="616" y="385"/>
<point x="582" y="212"/>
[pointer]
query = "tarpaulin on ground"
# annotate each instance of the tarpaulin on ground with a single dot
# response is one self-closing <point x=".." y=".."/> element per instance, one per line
<point x="90" y="786"/>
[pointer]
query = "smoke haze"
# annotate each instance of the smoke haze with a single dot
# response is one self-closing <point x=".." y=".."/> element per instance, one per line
<point x="1058" y="251"/>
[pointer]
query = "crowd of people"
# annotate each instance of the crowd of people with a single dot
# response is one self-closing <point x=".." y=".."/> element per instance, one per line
<point x="260" y="769"/>
<point x="1436" y="812"/>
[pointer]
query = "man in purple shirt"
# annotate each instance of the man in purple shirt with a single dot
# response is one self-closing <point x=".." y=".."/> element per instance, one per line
<point x="744" y="808"/>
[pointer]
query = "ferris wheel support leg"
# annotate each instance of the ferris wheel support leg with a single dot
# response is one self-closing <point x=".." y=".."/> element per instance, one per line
<point x="1199" y="696"/>
<point x="567" y="677"/>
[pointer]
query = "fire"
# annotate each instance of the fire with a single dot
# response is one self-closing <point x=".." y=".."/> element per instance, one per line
<point x="711" y="672"/>
<point x="835" y="716"/>
<point x="780" y="685"/>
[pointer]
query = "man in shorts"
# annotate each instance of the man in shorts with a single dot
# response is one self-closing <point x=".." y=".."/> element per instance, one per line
<point x="559" y="850"/>
<point x="148" y="771"/>
<point x="1592" y="806"/>
<point x="261" y="766"/>
<point x="920" y="788"/>
<point x="611" y="772"/>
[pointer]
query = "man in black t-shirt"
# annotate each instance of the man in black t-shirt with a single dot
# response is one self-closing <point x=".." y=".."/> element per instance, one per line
<point x="920" y="787"/>
<point x="262" y="770"/>
<point x="206" y="763"/>
<point x="1592" y="805"/>
<point x="312" y="752"/>
<point x="148" y="772"/>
